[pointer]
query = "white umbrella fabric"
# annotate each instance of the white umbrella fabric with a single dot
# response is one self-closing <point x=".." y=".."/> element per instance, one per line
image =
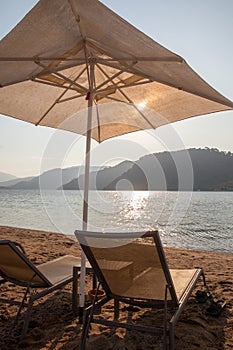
<point x="67" y="55"/>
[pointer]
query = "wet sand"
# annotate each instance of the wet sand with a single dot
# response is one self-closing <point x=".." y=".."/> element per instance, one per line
<point x="53" y="325"/>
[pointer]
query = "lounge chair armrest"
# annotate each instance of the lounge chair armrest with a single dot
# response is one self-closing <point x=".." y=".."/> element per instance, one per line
<point x="17" y="244"/>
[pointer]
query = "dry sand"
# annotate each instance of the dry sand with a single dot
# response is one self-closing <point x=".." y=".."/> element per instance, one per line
<point x="54" y="327"/>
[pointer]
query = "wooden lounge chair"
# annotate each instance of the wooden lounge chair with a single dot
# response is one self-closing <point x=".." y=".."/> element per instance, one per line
<point x="136" y="273"/>
<point x="15" y="267"/>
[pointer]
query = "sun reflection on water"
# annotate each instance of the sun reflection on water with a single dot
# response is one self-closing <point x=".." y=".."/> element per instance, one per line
<point x="137" y="201"/>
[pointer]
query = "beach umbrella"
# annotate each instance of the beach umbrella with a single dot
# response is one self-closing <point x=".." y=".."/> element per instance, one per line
<point x="67" y="55"/>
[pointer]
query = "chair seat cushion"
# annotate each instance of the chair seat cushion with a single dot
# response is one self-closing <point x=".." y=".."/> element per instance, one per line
<point x="59" y="269"/>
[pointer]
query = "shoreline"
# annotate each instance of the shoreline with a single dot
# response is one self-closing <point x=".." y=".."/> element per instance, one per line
<point x="54" y="326"/>
<point x="72" y="237"/>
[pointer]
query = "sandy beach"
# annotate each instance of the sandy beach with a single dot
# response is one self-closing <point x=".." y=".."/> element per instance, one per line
<point x="53" y="325"/>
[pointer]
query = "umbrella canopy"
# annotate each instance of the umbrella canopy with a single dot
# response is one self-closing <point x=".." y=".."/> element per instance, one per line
<point x="45" y="60"/>
<point x="66" y="55"/>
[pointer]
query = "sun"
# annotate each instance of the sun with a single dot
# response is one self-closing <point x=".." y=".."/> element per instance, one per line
<point x="141" y="105"/>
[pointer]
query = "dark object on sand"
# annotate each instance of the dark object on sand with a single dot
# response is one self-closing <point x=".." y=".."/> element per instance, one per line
<point x="215" y="308"/>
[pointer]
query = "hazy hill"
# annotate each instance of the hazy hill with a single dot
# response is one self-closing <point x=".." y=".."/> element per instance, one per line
<point x="6" y="177"/>
<point x="212" y="170"/>
<point x="100" y="179"/>
<point x="11" y="183"/>
<point x="49" y="180"/>
<point x="193" y="169"/>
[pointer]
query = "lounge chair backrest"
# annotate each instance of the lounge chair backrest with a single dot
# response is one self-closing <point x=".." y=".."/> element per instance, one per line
<point x="15" y="266"/>
<point x="129" y="265"/>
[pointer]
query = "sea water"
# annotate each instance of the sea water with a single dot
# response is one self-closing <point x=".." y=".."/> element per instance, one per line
<point x="192" y="220"/>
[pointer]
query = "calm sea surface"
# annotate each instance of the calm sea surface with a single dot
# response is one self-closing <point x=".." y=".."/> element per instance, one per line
<point x="199" y="220"/>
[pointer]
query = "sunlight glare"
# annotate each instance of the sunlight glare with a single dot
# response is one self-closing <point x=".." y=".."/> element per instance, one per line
<point x="137" y="201"/>
<point x="141" y="105"/>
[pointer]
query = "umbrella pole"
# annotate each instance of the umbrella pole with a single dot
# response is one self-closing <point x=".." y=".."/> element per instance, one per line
<point x="86" y="190"/>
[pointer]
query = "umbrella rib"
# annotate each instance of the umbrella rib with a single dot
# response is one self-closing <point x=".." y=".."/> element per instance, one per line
<point x="43" y="81"/>
<point x="143" y="59"/>
<point x="36" y="80"/>
<point x="50" y="108"/>
<point x="67" y="54"/>
<point x="77" y="19"/>
<point x="98" y="121"/>
<point x="71" y="98"/>
<point x="115" y="85"/>
<point x="72" y="82"/>
<point x="135" y="71"/>
<point x="39" y="58"/>
<point x="108" y="63"/>
<point x="13" y="82"/>
<point x="86" y="60"/>
<point x="124" y="86"/>
<point x="130" y="69"/>
<point x="99" y="60"/>
<point x="59" y="67"/>
<point x="34" y="76"/>
<point x="97" y="109"/>
<point x="128" y="99"/>
<point x="109" y="80"/>
<point x="58" y="99"/>
<point x="116" y="99"/>
<point x="105" y="61"/>
<point x="134" y="59"/>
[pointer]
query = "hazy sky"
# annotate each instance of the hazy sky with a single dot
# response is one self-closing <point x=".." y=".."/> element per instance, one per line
<point x="201" y="31"/>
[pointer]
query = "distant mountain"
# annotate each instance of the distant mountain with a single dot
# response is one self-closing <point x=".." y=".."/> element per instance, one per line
<point x="185" y="170"/>
<point x="212" y="171"/>
<point x="6" y="177"/>
<point x="49" y="180"/>
<point x="211" y="168"/>
<point x="193" y="169"/>
<point x="11" y="183"/>
<point x="99" y="179"/>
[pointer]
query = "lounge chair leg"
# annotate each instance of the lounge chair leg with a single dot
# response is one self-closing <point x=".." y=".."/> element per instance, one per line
<point x="27" y="318"/>
<point x="85" y="331"/>
<point x="116" y="309"/>
<point x="209" y="294"/>
<point x="75" y="290"/>
<point x="171" y="336"/>
<point x="87" y="321"/>
<point x="94" y="281"/>
<point x="20" y="307"/>
<point x="80" y="314"/>
<point x="165" y="319"/>
<point x="204" y="280"/>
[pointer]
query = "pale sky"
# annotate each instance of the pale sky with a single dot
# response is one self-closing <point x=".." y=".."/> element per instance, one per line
<point x="200" y="31"/>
